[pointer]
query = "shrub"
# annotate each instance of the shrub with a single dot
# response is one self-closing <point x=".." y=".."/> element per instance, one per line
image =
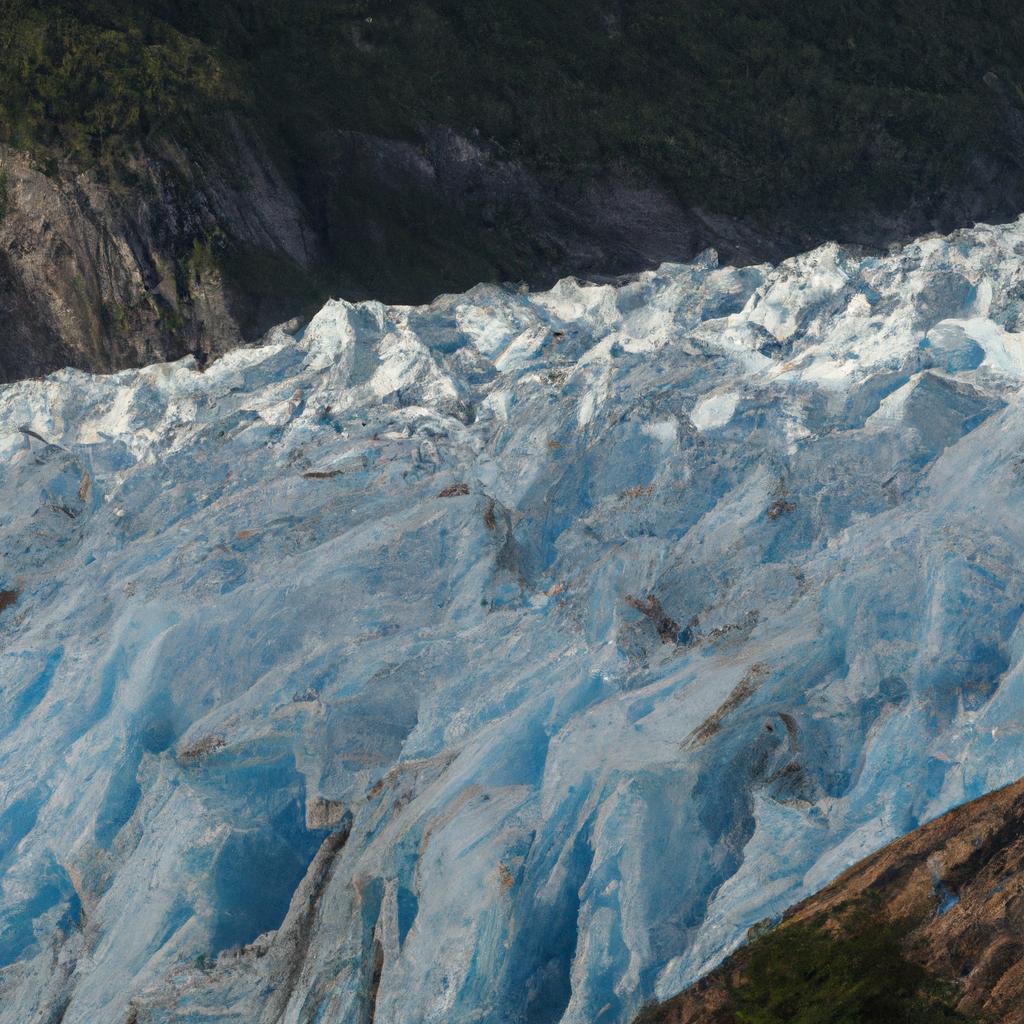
<point x="90" y="87"/>
<point x="854" y="974"/>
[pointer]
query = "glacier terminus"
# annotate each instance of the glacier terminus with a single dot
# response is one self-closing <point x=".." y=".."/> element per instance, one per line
<point x="504" y="659"/>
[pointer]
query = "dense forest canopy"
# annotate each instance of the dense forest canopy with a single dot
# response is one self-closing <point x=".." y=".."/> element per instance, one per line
<point x="753" y="107"/>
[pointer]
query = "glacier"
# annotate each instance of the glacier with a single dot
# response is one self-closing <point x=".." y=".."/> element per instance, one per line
<point x="503" y="659"/>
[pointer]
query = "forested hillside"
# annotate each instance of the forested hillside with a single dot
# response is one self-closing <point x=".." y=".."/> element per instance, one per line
<point x="428" y="144"/>
<point x="745" y="107"/>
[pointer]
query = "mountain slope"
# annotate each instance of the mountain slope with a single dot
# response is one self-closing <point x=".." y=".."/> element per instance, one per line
<point x="506" y="658"/>
<point x="101" y="276"/>
<point x="400" y="150"/>
<point x="954" y="887"/>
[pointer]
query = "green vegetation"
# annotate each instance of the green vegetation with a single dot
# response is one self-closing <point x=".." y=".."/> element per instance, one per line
<point x="5" y="194"/>
<point x="748" y="106"/>
<point x="203" y="259"/>
<point x="89" y="84"/>
<point x="857" y="973"/>
<point x="797" y="115"/>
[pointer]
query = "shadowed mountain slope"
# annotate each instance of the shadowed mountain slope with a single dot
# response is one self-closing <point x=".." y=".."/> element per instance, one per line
<point x="182" y="175"/>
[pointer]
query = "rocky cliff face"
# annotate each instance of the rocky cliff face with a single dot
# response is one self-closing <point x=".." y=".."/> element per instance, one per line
<point x="956" y="885"/>
<point x="200" y="253"/>
<point x="107" y="275"/>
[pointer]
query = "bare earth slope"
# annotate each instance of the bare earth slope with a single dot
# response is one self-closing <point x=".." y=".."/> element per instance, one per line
<point x="958" y="878"/>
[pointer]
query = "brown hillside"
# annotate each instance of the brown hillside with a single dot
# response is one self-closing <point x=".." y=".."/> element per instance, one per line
<point x="959" y="882"/>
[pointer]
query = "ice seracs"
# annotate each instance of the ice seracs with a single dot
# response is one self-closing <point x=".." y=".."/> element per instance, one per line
<point x="503" y="659"/>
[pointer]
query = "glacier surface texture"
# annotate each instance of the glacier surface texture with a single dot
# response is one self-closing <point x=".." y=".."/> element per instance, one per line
<point x="504" y="659"/>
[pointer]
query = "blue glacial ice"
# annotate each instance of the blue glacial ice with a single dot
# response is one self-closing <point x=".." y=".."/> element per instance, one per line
<point x="504" y="659"/>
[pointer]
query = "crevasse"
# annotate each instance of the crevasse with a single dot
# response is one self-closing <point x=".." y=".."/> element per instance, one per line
<point x="504" y="659"/>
